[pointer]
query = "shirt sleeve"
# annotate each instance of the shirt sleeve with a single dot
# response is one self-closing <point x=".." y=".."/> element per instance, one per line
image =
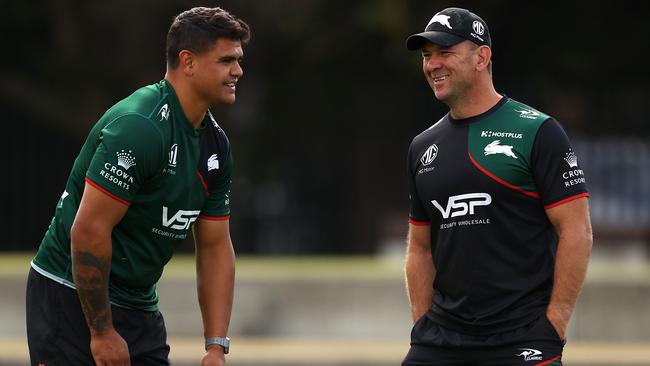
<point x="417" y="213"/>
<point x="217" y="206"/>
<point x="556" y="167"/>
<point x="130" y="151"/>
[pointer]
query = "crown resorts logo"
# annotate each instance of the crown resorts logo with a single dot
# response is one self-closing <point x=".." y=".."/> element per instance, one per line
<point x="571" y="159"/>
<point x="125" y="159"/>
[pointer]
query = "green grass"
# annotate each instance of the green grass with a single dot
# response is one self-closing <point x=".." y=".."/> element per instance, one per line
<point x="283" y="268"/>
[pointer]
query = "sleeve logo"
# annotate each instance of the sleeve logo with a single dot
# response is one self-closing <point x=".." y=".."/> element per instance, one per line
<point x="571" y="159"/>
<point x="213" y="162"/>
<point x="125" y="159"/>
<point x="430" y="155"/>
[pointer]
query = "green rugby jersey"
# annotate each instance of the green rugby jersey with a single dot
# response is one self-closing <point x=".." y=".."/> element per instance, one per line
<point x="144" y="153"/>
<point x="483" y="184"/>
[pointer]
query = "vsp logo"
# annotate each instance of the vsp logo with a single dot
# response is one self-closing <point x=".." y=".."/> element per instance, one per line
<point x="463" y="204"/>
<point x="182" y="219"/>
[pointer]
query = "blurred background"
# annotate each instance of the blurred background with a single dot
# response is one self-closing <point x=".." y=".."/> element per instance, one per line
<point x="328" y="104"/>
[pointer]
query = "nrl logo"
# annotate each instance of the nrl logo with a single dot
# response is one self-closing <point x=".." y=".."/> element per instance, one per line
<point x="440" y="18"/>
<point x="495" y="147"/>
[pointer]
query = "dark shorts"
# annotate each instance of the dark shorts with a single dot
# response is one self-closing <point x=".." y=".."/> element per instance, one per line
<point x="534" y="344"/>
<point x="57" y="333"/>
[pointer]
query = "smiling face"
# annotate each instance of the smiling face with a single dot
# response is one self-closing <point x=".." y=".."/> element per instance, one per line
<point x="450" y="71"/>
<point x="217" y="71"/>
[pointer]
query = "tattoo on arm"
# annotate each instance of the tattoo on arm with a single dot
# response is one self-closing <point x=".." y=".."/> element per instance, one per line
<point x="91" y="279"/>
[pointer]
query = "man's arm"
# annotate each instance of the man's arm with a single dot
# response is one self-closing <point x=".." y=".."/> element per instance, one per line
<point x="91" y="248"/>
<point x="420" y="271"/>
<point x="215" y="275"/>
<point x="571" y="220"/>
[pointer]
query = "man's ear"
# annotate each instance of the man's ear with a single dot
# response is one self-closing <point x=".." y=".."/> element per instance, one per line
<point x="186" y="62"/>
<point x="484" y="56"/>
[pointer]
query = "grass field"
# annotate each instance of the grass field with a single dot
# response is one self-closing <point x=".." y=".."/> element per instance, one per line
<point x="294" y="351"/>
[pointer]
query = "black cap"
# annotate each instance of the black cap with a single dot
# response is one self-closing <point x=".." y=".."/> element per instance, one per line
<point x="451" y="26"/>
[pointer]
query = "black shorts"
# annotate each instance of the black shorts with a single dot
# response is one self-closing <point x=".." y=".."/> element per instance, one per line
<point x="534" y="344"/>
<point x="57" y="333"/>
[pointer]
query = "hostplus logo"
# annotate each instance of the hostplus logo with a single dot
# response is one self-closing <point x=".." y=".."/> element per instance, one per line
<point x="530" y="354"/>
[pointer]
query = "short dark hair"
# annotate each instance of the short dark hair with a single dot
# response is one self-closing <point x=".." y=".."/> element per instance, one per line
<point x="197" y="29"/>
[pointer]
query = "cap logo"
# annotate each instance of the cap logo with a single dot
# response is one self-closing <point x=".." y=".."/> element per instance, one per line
<point x="440" y="18"/>
<point x="478" y="27"/>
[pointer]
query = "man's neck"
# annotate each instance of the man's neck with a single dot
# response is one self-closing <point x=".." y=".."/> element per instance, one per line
<point x="192" y="106"/>
<point x="474" y="102"/>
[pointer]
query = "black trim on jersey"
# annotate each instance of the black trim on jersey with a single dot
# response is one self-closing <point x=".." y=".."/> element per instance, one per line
<point x="213" y="142"/>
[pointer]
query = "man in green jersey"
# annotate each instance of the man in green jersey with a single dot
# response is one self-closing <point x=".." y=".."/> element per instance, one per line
<point x="155" y="165"/>
<point x="499" y="236"/>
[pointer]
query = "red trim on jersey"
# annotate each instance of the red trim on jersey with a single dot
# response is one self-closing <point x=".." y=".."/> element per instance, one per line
<point x="567" y="200"/>
<point x="214" y="218"/>
<point x="207" y="194"/>
<point x="499" y="180"/>
<point x="418" y="223"/>
<point x="548" y="362"/>
<point x="107" y="192"/>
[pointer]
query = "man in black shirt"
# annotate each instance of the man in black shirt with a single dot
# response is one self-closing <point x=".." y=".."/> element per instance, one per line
<point x="499" y="234"/>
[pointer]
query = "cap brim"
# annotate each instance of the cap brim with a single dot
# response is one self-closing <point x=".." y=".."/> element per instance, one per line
<point x="417" y="41"/>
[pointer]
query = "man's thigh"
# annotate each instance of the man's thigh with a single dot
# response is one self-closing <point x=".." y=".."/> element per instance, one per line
<point x="536" y="343"/>
<point x="146" y="335"/>
<point x="57" y="332"/>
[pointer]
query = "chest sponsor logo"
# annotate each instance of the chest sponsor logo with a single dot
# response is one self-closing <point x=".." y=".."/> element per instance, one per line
<point x="463" y="204"/>
<point x="527" y="113"/>
<point x="125" y="159"/>
<point x="530" y="354"/>
<point x="164" y="112"/>
<point x="495" y="147"/>
<point x="430" y="155"/>
<point x="499" y="134"/>
<point x="213" y="162"/>
<point x="181" y="220"/>
<point x="441" y="19"/>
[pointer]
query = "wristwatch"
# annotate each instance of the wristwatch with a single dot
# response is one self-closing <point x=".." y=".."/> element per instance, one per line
<point x="222" y="341"/>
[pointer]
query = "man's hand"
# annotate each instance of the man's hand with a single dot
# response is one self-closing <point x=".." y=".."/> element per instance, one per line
<point x="214" y="357"/>
<point x="109" y="349"/>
